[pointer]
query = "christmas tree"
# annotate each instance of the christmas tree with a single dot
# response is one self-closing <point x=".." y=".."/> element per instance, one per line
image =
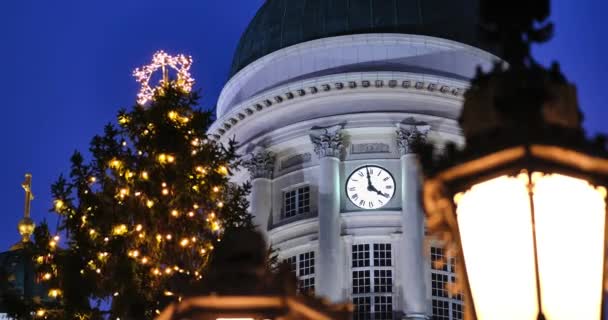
<point x="143" y="214"/>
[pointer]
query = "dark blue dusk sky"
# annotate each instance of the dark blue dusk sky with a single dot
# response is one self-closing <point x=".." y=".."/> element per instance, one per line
<point x="66" y="70"/>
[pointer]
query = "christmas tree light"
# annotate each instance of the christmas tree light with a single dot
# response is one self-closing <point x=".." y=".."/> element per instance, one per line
<point x="143" y="214"/>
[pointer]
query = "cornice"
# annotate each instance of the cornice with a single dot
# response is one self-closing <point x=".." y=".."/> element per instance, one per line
<point x="400" y="82"/>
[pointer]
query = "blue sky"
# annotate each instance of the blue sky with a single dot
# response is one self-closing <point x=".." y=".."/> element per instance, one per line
<point x="67" y="69"/>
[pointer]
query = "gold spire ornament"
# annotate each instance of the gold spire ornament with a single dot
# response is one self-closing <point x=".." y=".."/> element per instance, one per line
<point x="26" y="225"/>
<point x="161" y="60"/>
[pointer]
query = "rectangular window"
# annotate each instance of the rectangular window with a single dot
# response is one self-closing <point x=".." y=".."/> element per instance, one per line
<point x="361" y="282"/>
<point x="303" y="266"/>
<point x="372" y="281"/>
<point x="445" y="306"/>
<point x="438" y="285"/>
<point x="306" y="285"/>
<point x="293" y="265"/>
<point x="441" y="310"/>
<point x="383" y="281"/>
<point x="307" y="264"/>
<point x="383" y="307"/>
<point x="382" y="255"/>
<point x="296" y="201"/>
<point x="363" y="308"/>
<point x="457" y="313"/>
<point x="360" y="255"/>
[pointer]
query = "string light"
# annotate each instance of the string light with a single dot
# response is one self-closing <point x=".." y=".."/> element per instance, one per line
<point x="54" y="293"/>
<point x="120" y="230"/>
<point x="59" y="204"/>
<point x="123" y="119"/>
<point x="223" y="170"/>
<point x="161" y="60"/>
<point x="115" y="164"/>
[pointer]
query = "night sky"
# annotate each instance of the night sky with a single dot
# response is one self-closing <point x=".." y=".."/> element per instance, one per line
<point x="66" y="70"/>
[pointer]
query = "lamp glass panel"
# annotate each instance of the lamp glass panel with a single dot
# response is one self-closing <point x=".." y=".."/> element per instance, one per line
<point x="570" y="221"/>
<point x="495" y="227"/>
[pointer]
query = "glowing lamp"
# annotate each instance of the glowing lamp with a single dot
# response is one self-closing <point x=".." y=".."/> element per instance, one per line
<point x="524" y="203"/>
<point x="530" y="223"/>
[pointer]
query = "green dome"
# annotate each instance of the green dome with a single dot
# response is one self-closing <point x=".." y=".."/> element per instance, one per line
<point x="282" y="23"/>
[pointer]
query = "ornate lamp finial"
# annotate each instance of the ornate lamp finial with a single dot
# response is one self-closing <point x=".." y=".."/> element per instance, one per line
<point x="513" y="25"/>
<point x="26" y="225"/>
<point x="161" y="60"/>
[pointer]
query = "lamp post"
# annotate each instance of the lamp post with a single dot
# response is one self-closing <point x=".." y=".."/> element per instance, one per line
<point x="524" y="203"/>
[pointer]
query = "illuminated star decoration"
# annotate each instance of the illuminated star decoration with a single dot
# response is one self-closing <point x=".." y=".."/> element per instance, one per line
<point x="161" y="60"/>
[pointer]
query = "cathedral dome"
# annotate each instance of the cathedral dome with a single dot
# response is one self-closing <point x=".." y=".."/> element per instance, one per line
<point x="283" y="23"/>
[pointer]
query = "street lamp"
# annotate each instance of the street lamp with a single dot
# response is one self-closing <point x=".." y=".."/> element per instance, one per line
<point x="524" y="204"/>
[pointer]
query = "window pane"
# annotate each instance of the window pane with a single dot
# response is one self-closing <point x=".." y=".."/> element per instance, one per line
<point x="361" y="282"/>
<point x="290" y="203"/>
<point x="383" y="281"/>
<point x="307" y="263"/>
<point x="363" y="308"/>
<point x="441" y="310"/>
<point x="383" y="308"/>
<point x="382" y="255"/>
<point x="292" y="264"/>
<point x="360" y="255"/>
<point x="307" y="286"/>
<point x="304" y="200"/>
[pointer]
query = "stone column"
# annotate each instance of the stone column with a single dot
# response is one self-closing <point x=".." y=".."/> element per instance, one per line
<point x="409" y="136"/>
<point x="328" y="146"/>
<point x="261" y="167"/>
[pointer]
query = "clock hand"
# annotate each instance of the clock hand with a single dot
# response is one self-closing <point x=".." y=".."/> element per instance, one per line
<point x="369" y="181"/>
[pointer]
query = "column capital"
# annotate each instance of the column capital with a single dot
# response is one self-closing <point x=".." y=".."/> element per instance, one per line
<point x="260" y="164"/>
<point x="328" y="141"/>
<point x="410" y="134"/>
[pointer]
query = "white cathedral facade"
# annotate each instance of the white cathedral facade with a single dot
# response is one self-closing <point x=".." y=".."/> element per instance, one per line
<point x="325" y="99"/>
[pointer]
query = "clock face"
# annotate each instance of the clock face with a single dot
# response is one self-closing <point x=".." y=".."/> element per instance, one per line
<point x="370" y="187"/>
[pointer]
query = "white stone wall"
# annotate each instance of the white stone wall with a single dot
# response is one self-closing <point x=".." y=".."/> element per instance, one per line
<point x="274" y="103"/>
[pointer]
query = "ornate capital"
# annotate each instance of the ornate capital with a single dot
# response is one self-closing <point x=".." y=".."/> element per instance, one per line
<point x="260" y="164"/>
<point x="327" y="141"/>
<point x="410" y="135"/>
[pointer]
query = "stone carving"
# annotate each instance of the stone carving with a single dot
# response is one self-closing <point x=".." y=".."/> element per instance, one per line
<point x="295" y="160"/>
<point x="369" y="148"/>
<point x="410" y="135"/>
<point x="327" y="141"/>
<point x="260" y="164"/>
